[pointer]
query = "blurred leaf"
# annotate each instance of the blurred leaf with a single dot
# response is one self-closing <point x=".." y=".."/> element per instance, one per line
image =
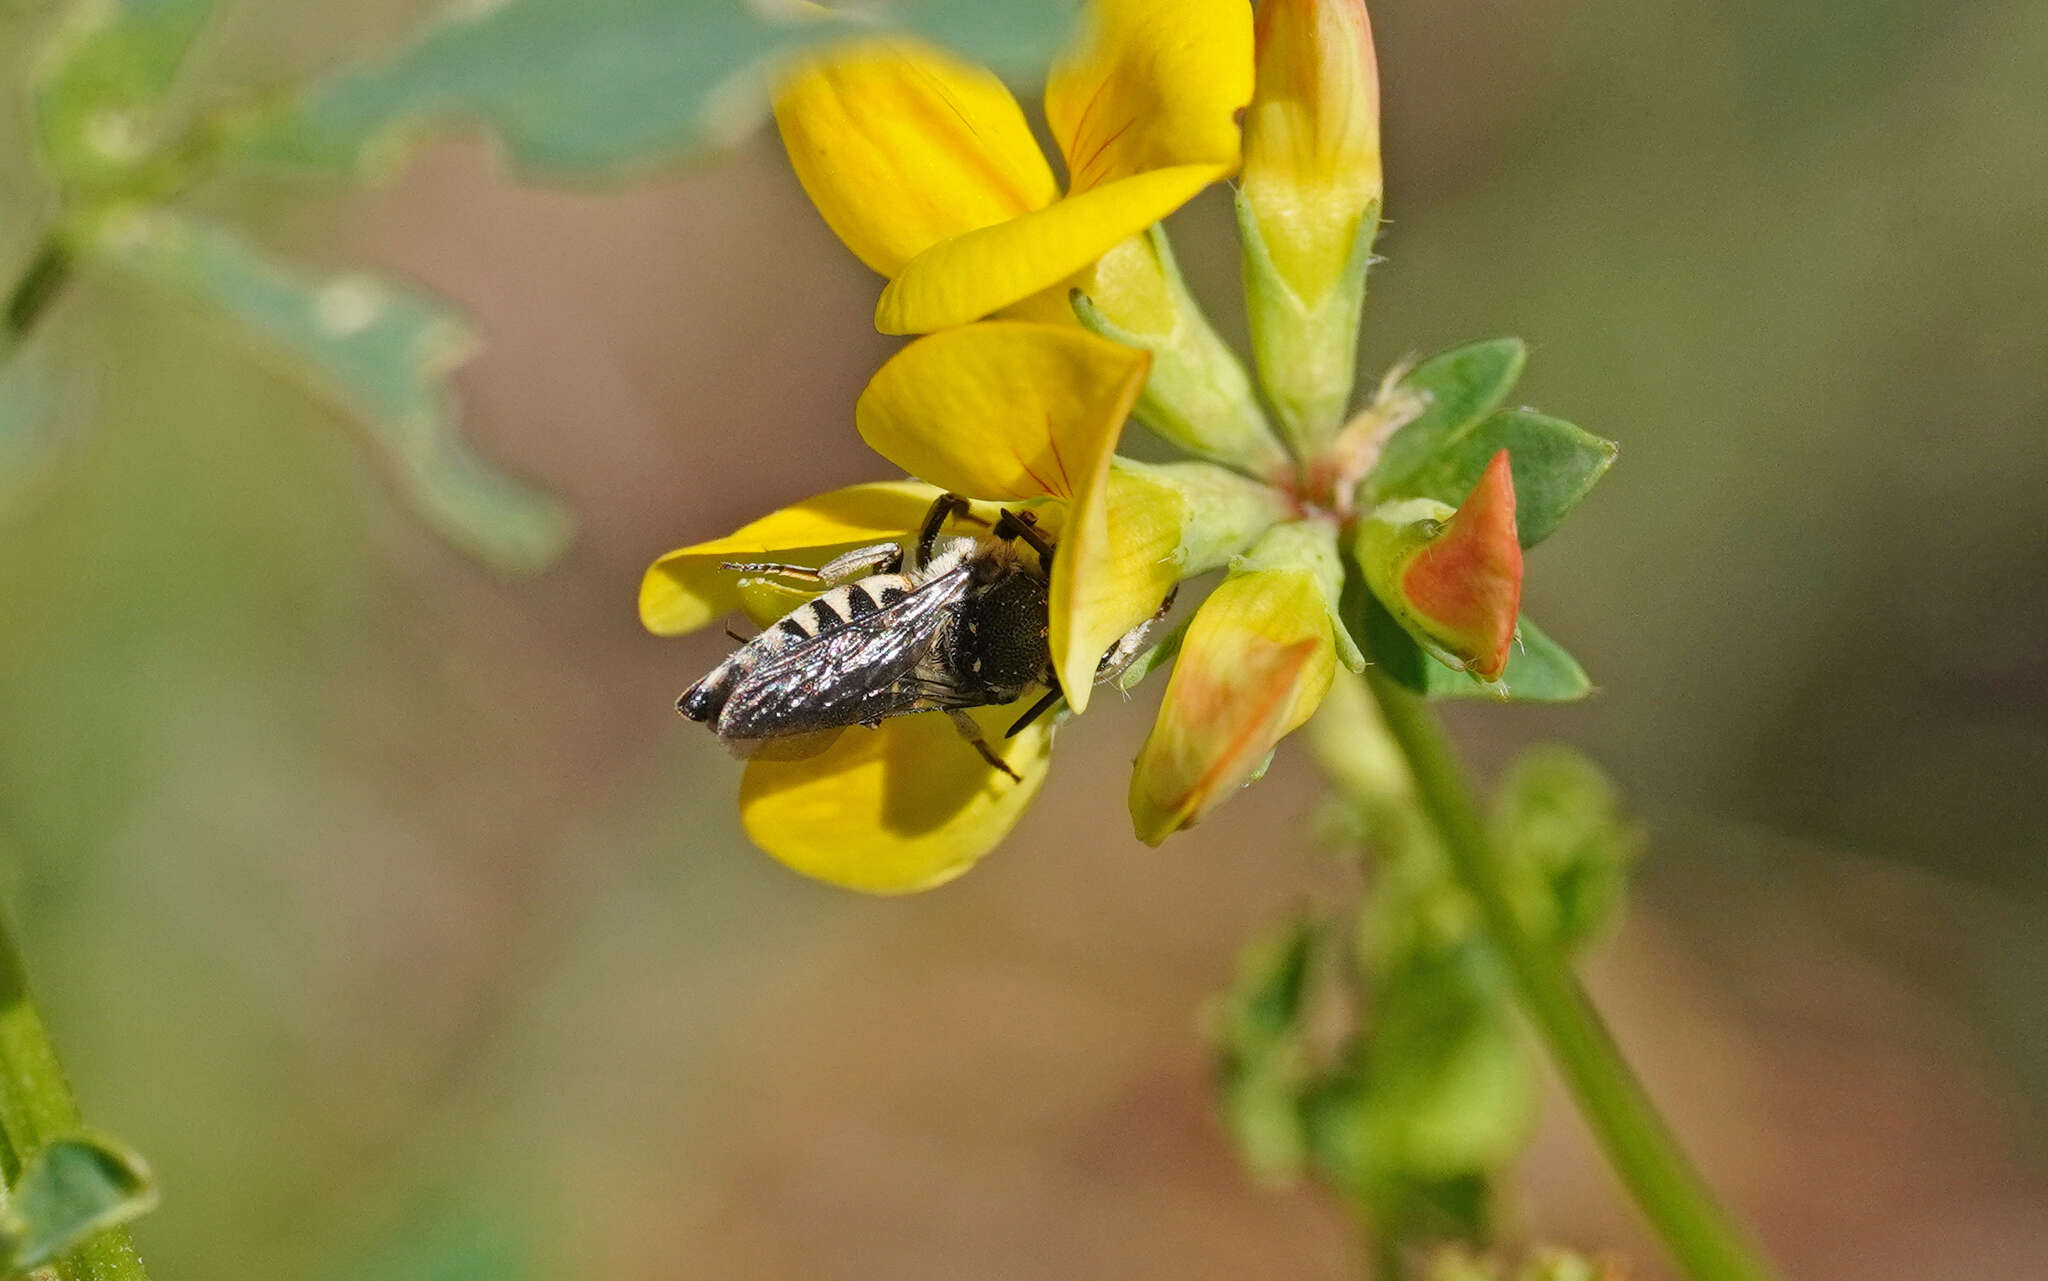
<point x="576" y="88"/>
<point x="1555" y="465"/>
<point x="1463" y="385"/>
<point x="1558" y="818"/>
<point x="72" y="1188"/>
<point x="1440" y="1099"/>
<point x="101" y="78"/>
<point x="444" y="1243"/>
<point x="380" y="349"/>
<point x="1539" y="670"/>
<point x="1262" y="1061"/>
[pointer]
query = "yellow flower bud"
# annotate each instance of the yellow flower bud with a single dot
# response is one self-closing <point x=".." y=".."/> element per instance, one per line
<point x="1257" y="659"/>
<point x="1308" y="207"/>
<point x="1312" y="137"/>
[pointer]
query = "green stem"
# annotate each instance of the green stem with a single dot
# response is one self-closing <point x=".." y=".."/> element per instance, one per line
<point x="36" y="1105"/>
<point x="47" y="274"/>
<point x="1701" y="1237"/>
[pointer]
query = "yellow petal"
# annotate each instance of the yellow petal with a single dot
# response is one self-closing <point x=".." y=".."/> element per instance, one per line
<point x="891" y="810"/>
<point x="1256" y="662"/>
<point x="1007" y="411"/>
<point x="1153" y="84"/>
<point x="1102" y="589"/>
<point x="970" y="276"/>
<point x="686" y="589"/>
<point x="901" y="146"/>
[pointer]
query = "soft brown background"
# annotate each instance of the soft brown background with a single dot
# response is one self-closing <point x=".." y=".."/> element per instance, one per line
<point x="365" y="889"/>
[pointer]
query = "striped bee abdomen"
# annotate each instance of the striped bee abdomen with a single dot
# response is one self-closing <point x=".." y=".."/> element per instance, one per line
<point x="808" y="622"/>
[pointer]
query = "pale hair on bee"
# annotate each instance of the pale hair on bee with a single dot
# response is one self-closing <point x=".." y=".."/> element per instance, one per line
<point x="965" y="623"/>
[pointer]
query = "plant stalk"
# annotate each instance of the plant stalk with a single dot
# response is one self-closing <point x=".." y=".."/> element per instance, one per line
<point x="36" y="1105"/>
<point x="1701" y="1237"/>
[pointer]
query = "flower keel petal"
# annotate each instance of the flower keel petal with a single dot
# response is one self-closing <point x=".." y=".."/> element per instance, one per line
<point x="972" y="275"/>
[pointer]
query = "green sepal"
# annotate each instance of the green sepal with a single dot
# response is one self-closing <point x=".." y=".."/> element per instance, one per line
<point x="381" y="349"/>
<point x="1306" y="350"/>
<point x="1539" y="670"/>
<point x="1461" y="387"/>
<point x="1555" y="465"/>
<point x="1222" y="512"/>
<point x="1198" y="395"/>
<point x="69" y="1189"/>
<point x="100" y="83"/>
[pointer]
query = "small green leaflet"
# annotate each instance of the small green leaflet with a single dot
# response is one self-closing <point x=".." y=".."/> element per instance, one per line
<point x="70" y="1189"/>
<point x="583" y="88"/>
<point x="100" y="80"/>
<point x="378" y="348"/>
<point x="1463" y="385"/>
<point x="1555" y="465"/>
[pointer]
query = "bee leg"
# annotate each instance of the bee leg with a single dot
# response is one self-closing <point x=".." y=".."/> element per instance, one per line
<point x="881" y="558"/>
<point x="1023" y="526"/>
<point x="1126" y="651"/>
<point x="972" y="733"/>
<point x="1052" y="698"/>
<point x="943" y="508"/>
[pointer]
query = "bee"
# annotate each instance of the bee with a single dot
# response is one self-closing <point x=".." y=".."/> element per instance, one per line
<point x="965" y="625"/>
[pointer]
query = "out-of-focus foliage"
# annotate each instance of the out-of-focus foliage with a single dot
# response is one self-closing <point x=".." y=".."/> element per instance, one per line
<point x="380" y="349"/>
<point x="573" y="88"/>
<point x="69" y="1189"/>
<point x="1383" y="1056"/>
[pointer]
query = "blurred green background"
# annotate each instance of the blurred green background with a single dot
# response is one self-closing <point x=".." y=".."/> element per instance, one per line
<point x="387" y="905"/>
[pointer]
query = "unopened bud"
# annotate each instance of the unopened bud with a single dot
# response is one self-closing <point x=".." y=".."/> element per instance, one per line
<point x="1452" y="578"/>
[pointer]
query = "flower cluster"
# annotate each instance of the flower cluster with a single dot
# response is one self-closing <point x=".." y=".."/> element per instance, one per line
<point x="1049" y="316"/>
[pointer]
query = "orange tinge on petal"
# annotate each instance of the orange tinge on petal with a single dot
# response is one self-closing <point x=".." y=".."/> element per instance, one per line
<point x="1467" y="583"/>
<point x="1256" y="663"/>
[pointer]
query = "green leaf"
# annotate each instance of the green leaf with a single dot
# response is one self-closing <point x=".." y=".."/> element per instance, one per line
<point x="576" y="88"/>
<point x="1539" y="669"/>
<point x="1557" y="821"/>
<point x="1463" y="385"/>
<point x="1441" y="1097"/>
<point x="101" y="80"/>
<point x="380" y="349"/>
<point x="72" y="1188"/>
<point x="1555" y="465"/>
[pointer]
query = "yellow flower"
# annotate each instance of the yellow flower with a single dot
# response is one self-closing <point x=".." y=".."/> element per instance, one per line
<point x="1008" y="413"/>
<point x="1256" y="662"/>
<point x="925" y="167"/>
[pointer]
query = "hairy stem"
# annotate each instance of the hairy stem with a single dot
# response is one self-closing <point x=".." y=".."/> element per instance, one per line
<point x="36" y="1106"/>
<point x="1701" y="1237"/>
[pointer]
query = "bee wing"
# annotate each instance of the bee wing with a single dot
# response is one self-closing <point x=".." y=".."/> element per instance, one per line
<point x="854" y="673"/>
